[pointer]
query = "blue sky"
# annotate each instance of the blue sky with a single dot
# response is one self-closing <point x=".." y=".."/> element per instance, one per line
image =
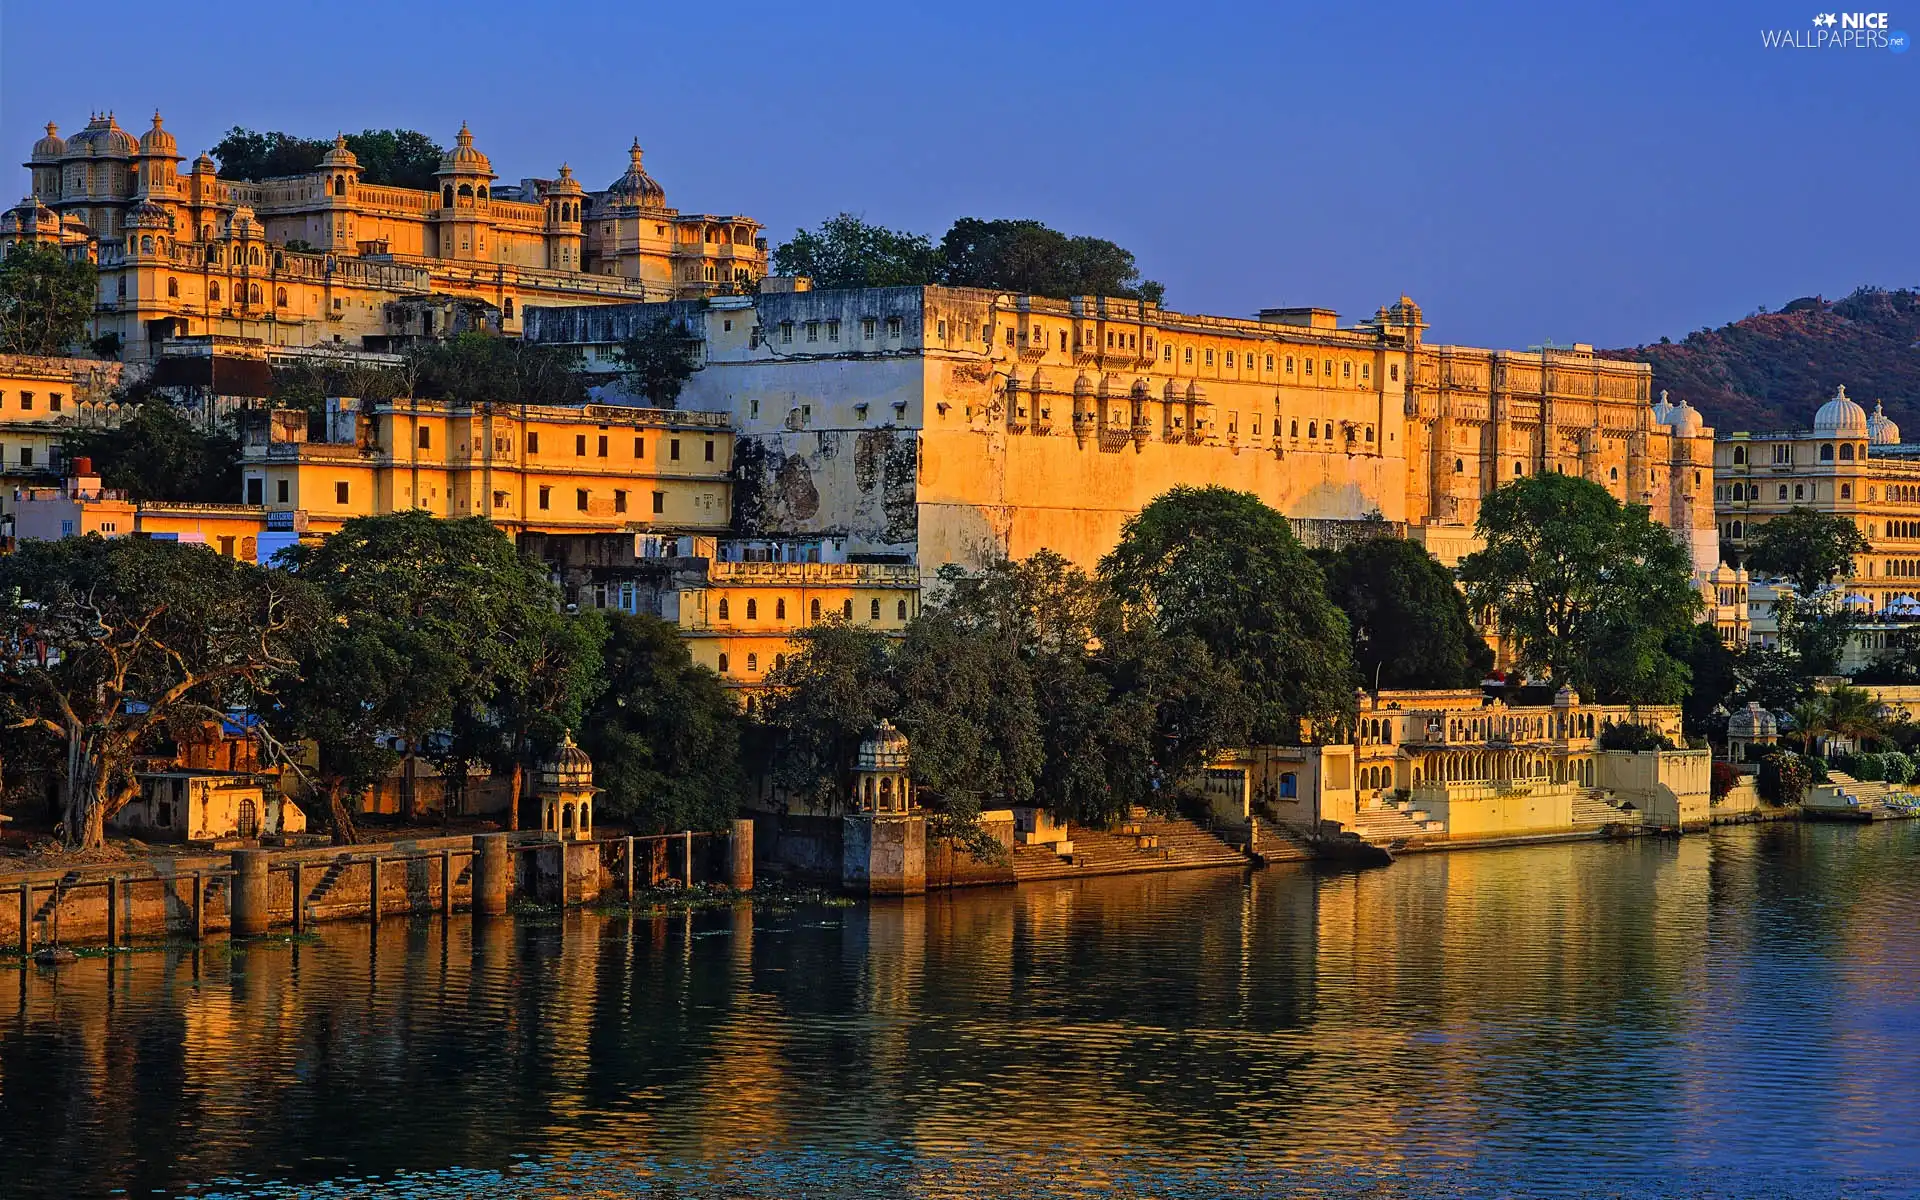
<point x="1607" y="172"/>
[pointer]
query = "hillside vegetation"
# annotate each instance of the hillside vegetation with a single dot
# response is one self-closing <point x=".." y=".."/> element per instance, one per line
<point x="1770" y="370"/>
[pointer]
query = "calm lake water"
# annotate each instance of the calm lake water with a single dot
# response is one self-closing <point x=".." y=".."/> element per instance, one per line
<point x="1725" y="1015"/>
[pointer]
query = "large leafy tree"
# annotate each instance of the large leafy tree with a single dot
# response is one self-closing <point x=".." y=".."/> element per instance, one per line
<point x="1027" y="256"/>
<point x="821" y="702"/>
<point x="477" y="368"/>
<point x="393" y="157"/>
<point x="46" y="300"/>
<point x="435" y="628"/>
<point x="658" y="359"/>
<point x="159" y="453"/>
<point x="103" y="642"/>
<point x="1712" y="675"/>
<point x="1809" y="549"/>
<point x="1586" y="591"/>
<point x="1220" y="567"/>
<point x="664" y="735"/>
<point x="967" y="703"/>
<point x="1411" y="626"/>
<point x="848" y="252"/>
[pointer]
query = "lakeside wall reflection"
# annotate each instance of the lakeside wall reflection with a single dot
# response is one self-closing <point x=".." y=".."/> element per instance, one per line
<point x="1644" y="1014"/>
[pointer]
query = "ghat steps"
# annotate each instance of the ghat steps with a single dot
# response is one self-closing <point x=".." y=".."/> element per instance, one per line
<point x="1139" y="844"/>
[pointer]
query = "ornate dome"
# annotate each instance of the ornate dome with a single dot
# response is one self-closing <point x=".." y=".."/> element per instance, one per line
<point x="569" y="769"/>
<point x="1753" y="722"/>
<point x="884" y="750"/>
<point x="103" y="136"/>
<point x="157" y="142"/>
<point x="147" y="215"/>
<point x="463" y="159"/>
<point x="204" y="164"/>
<point x="566" y="184"/>
<point x="1841" y="416"/>
<point x="1881" y="430"/>
<point x="340" y="158"/>
<point x="29" y="214"/>
<point x="636" y="186"/>
<point x="1661" y="409"/>
<point x="1685" y="420"/>
<point x="50" y="147"/>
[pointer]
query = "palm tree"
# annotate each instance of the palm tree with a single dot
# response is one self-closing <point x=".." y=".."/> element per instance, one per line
<point x="1854" y="714"/>
<point x="1810" y="721"/>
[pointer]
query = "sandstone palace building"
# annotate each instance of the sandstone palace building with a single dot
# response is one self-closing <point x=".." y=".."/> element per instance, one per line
<point x="325" y="258"/>
<point x="936" y="425"/>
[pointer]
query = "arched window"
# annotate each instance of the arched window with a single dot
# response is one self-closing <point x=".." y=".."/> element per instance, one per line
<point x="1739" y="456"/>
<point x="1846" y="453"/>
<point x="253" y="256"/>
<point x="173" y="289"/>
<point x="253" y="293"/>
<point x="723" y="608"/>
<point x="1738" y="531"/>
<point x="900" y="610"/>
<point x="813" y="612"/>
<point x="873" y="611"/>
<point x="146" y="243"/>
<point x="1826" y="453"/>
<point x="753" y="662"/>
<point x="213" y="290"/>
<point x="339" y="185"/>
<point x="1293" y="428"/>
<point x="466" y="191"/>
<point x="1518" y="470"/>
<point x="846" y="609"/>
<point x="1846" y="491"/>
<point x="508" y="309"/>
<point x="482" y="193"/>
<point x="1459" y="467"/>
<point x="753" y="610"/>
<point x="723" y="664"/>
<point x="446" y="196"/>
<point x="779" y="610"/>
<point x="279" y="261"/>
<point x="1313" y="429"/>
<point x="280" y="297"/>
<point x="1613" y="474"/>
<point x="1799" y="491"/>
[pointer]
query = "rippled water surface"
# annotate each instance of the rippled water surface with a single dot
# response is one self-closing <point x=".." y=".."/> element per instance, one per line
<point x="1726" y="1015"/>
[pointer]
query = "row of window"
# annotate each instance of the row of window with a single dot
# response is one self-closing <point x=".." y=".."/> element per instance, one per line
<point x="424" y="438"/>
<point x="582" y="497"/>
<point x="1783" y="453"/>
<point x="812" y="330"/>
<point x="724" y="610"/>
<point x="27" y="399"/>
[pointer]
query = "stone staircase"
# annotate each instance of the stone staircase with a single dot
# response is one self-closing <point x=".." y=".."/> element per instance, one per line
<point x="1397" y="821"/>
<point x="1277" y="844"/>
<point x="1140" y="844"/>
<point x="1592" y="807"/>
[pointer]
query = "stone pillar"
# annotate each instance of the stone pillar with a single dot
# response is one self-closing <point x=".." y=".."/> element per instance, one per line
<point x="884" y="854"/>
<point x="492" y="874"/>
<point x="740" y="857"/>
<point x="247" y="910"/>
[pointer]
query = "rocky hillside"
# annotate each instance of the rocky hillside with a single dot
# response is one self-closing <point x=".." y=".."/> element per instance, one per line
<point x="1770" y="370"/>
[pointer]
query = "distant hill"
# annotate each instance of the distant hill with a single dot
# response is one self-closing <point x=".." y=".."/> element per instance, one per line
<point x="1771" y="370"/>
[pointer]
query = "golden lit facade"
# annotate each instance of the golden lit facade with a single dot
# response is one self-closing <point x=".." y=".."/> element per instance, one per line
<point x="526" y="468"/>
<point x="740" y="620"/>
<point x="945" y="424"/>
<point x="327" y="258"/>
<point x="42" y="401"/>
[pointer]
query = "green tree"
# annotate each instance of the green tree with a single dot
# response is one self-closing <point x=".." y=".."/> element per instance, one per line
<point x="158" y="453"/>
<point x="664" y="735"/>
<point x="1712" y="672"/>
<point x="1809" y="549"/>
<point x="480" y="368"/>
<point x="1585" y="590"/>
<point x="46" y="300"/>
<point x="1411" y="627"/>
<point x="430" y="633"/>
<point x="390" y="157"/>
<point x="404" y="158"/>
<point x="1854" y="714"/>
<point x="820" y="704"/>
<point x="658" y="359"/>
<point x="103" y="642"/>
<point x="967" y="704"/>
<point x="1223" y="568"/>
<point x="847" y="252"/>
<point x="1027" y="256"/>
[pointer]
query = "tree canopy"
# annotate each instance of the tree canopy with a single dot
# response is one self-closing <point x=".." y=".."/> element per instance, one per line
<point x="658" y="359"/>
<point x="1007" y="255"/>
<point x="1222" y="568"/>
<point x="106" y="641"/>
<point x="46" y="300"/>
<point x="1808" y="549"/>
<point x="663" y="733"/>
<point x="1586" y="591"/>
<point x="478" y="368"/>
<point x="1411" y="626"/>
<point x="158" y="453"/>
<point x="391" y="157"/>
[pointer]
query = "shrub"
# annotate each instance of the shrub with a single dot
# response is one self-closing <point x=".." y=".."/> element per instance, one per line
<point x="1725" y="775"/>
<point x="1784" y="778"/>
<point x="1866" y="767"/>
<point x="1896" y="767"/>
<point x="1816" y="767"/>
<point x="1627" y="735"/>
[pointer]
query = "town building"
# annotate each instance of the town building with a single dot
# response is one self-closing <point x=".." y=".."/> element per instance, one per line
<point x="933" y="425"/>
<point x="325" y="257"/>
<point x="1851" y="464"/>
<point x="526" y="468"/>
<point x="42" y="402"/>
<point x="1434" y="766"/>
<point x="79" y="505"/>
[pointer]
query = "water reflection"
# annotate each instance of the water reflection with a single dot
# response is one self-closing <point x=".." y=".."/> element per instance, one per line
<point x="1723" y="1014"/>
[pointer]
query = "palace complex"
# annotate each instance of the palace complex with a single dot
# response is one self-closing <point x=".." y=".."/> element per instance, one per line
<point x="326" y="258"/>
<point x="937" y="425"/>
<point x="1849" y="463"/>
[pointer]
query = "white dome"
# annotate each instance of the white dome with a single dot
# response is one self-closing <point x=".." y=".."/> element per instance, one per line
<point x="1881" y="430"/>
<point x="1661" y="409"/>
<point x="1685" y="421"/>
<point x="1841" y="416"/>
